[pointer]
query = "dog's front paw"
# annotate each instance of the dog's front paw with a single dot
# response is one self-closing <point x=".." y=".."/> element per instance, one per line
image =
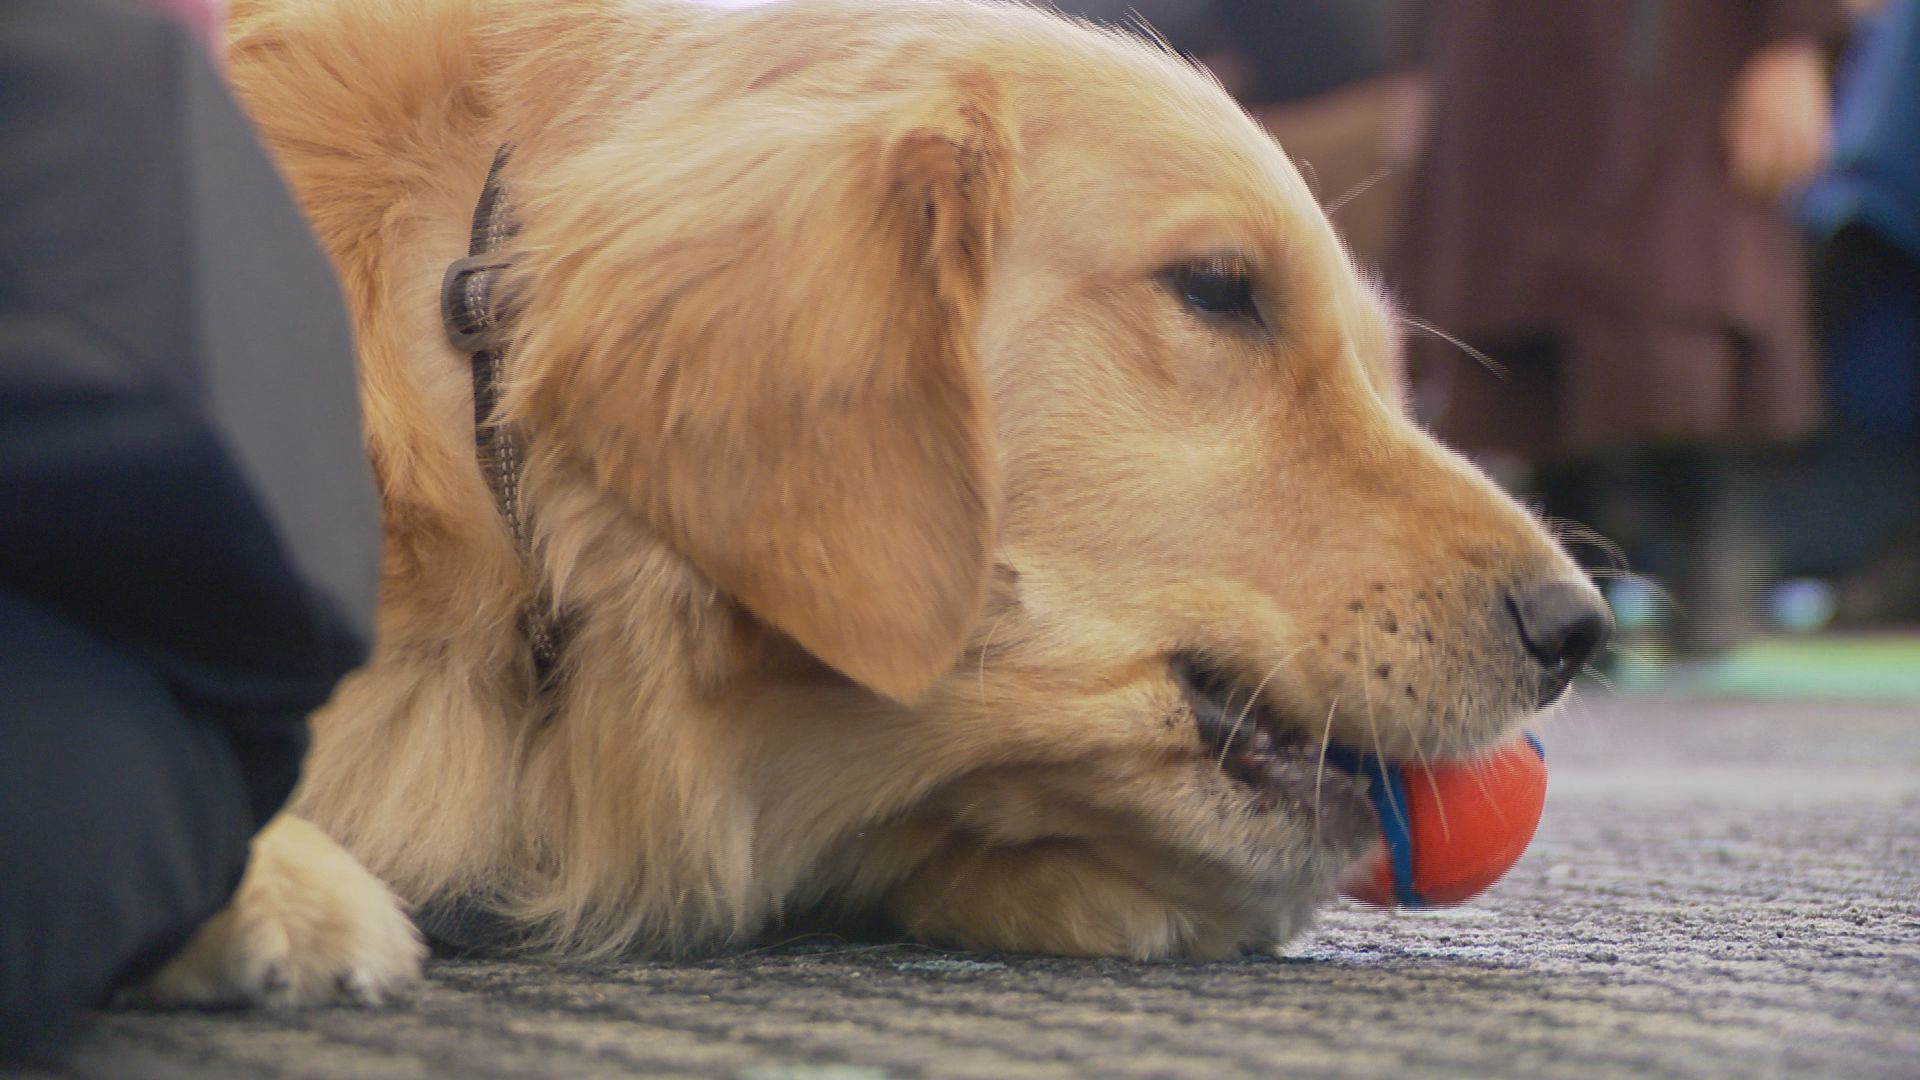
<point x="309" y="925"/>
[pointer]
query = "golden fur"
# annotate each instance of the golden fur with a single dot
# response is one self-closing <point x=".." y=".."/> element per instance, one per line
<point x="881" y="469"/>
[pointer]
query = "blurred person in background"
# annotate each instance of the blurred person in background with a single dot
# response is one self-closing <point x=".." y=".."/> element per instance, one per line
<point x="1598" y="209"/>
<point x="188" y="542"/>
<point x="1864" y="210"/>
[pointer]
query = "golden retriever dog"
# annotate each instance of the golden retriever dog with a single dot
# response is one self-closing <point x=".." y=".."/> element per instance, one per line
<point x="971" y="476"/>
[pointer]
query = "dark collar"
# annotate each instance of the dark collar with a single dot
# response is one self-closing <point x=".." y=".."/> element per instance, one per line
<point x="476" y="310"/>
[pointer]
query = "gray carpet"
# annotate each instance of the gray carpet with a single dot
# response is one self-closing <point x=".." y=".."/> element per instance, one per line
<point x="1718" y="889"/>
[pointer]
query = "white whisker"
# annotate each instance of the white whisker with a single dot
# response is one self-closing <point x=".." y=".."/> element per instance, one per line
<point x="1439" y="803"/>
<point x="1320" y="767"/>
<point x="1226" y="745"/>
<point x="1479" y="774"/>
<point x="1255" y="697"/>
<point x="1358" y="190"/>
<point x="1307" y="172"/>
<point x="1274" y="670"/>
<point x="1373" y="728"/>
<point x="1426" y="766"/>
<point x="1564" y="529"/>
<point x="1488" y="362"/>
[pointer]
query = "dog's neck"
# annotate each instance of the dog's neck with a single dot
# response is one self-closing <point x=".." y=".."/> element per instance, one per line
<point x="476" y="311"/>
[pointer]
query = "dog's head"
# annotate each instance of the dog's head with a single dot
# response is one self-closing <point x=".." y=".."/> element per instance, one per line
<point x="1014" y="385"/>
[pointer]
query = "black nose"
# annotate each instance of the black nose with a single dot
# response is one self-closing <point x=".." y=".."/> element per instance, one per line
<point x="1562" y="624"/>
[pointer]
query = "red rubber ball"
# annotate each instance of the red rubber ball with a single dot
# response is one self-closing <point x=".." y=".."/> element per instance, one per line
<point x="1451" y="829"/>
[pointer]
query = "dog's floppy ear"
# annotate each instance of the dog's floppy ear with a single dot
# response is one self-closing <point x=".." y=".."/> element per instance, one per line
<point x="757" y="325"/>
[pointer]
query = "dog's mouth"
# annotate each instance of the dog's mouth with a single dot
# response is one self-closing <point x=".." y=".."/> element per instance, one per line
<point x="1284" y="766"/>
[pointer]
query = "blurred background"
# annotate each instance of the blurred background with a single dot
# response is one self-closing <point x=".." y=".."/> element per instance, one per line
<point x="1659" y="266"/>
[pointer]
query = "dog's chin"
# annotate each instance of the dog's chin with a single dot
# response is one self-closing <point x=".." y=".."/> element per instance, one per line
<point x="1278" y="762"/>
<point x="1255" y="805"/>
<point x="1276" y="824"/>
<point x="1193" y="828"/>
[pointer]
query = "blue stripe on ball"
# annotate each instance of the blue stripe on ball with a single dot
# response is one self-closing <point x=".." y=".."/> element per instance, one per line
<point x="1390" y="802"/>
<point x="1387" y="787"/>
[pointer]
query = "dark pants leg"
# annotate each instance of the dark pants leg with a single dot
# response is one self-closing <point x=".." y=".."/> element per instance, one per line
<point x="123" y="823"/>
<point x="1870" y="322"/>
<point x="1720" y="559"/>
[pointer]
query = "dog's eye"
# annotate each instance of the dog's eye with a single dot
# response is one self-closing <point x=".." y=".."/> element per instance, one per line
<point x="1220" y="287"/>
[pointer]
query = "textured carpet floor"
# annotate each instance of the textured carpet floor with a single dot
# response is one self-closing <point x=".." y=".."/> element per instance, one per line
<point x="1718" y="889"/>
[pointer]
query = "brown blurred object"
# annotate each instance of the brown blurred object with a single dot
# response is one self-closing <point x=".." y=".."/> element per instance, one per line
<point x="1595" y="208"/>
<point x="1575" y="199"/>
<point x="1356" y="146"/>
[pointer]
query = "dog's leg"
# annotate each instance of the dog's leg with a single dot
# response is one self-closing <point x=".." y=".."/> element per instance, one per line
<point x="308" y="925"/>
